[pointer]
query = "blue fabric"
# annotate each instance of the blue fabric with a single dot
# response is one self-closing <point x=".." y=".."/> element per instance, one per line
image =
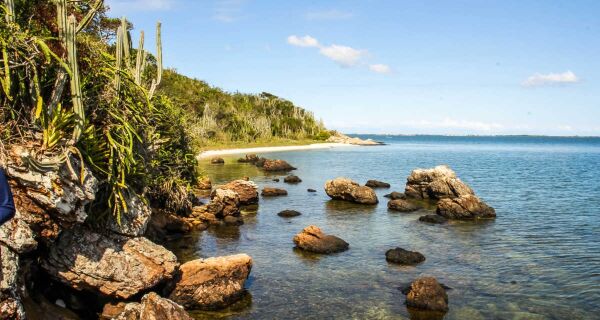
<point x="7" y="204"/>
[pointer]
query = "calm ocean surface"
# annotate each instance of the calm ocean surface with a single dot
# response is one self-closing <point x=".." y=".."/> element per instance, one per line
<point x="540" y="259"/>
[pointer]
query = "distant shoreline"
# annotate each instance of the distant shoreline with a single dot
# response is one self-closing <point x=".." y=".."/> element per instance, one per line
<point x="233" y="151"/>
<point x="470" y="135"/>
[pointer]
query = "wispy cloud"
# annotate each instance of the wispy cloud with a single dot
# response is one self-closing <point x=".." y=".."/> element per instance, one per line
<point x="124" y="6"/>
<point x="380" y="68"/>
<point x="332" y="14"/>
<point x="538" y="79"/>
<point x="228" y="10"/>
<point x="345" y="56"/>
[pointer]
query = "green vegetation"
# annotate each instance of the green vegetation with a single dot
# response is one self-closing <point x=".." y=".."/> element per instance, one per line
<point x="72" y="85"/>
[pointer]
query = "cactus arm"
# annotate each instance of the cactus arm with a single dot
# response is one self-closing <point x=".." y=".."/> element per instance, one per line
<point x="119" y="59"/>
<point x="89" y="16"/>
<point x="10" y="11"/>
<point x="139" y="65"/>
<point x="76" y="95"/>
<point x="159" y="66"/>
<point x="125" y="42"/>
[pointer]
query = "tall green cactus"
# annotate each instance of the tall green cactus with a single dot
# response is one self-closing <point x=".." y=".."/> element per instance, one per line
<point x="10" y="11"/>
<point x="76" y="96"/>
<point x="159" y="65"/>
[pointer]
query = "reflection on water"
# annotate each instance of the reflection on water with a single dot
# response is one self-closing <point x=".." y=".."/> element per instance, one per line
<point x="538" y="260"/>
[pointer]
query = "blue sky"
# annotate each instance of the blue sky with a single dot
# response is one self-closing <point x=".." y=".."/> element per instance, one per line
<point x="408" y="67"/>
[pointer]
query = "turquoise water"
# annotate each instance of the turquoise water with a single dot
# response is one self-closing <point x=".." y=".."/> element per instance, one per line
<point x="540" y="259"/>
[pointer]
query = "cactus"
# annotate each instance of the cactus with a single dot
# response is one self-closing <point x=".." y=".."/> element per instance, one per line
<point x="159" y="66"/>
<point x="71" y="34"/>
<point x="89" y="16"/>
<point x="140" y="62"/>
<point x="10" y="11"/>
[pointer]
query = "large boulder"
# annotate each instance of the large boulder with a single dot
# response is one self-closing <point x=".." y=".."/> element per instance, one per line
<point x="247" y="191"/>
<point x="467" y="207"/>
<point x="224" y="202"/>
<point x="377" y="184"/>
<point x="402" y="205"/>
<point x="346" y="189"/>
<point x="111" y="264"/>
<point x="212" y="283"/>
<point x="404" y="257"/>
<point x="11" y="306"/>
<point x="427" y="294"/>
<point x="152" y="307"/>
<point x="277" y="165"/>
<point x="133" y="223"/>
<point x="435" y="184"/>
<point x="312" y="239"/>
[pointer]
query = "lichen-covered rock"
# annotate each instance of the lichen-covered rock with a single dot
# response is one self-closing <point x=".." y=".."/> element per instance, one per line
<point x="247" y="191"/>
<point x="346" y="189"/>
<point x="134" y="222"/>
<point x="277" y="165"/>
<point x="312" y="239"/>
<point x="11" y="306"/>
<point x="113" y="265"/>
<point x="405" y="257"/>
<point x="402" y="205"/>
<point x="427" y="294"/>
<point x="151" y="307"/>
<point x="212" y="283"/>
<point x="224" y="202"/>
<point x="377" y="184"/>
<point x="273" y="192"/>
<point x="17" y="235"/>
<point x="467" y="207"/>
<point x="435" y="184"/>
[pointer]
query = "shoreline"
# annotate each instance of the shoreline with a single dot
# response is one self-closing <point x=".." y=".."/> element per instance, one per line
<point x="314" y="146"/>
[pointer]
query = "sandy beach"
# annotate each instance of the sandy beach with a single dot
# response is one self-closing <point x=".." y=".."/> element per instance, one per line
<point x="222" y="152"/>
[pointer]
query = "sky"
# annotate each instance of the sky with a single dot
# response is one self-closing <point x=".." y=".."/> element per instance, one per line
<point x="395" y="67"/>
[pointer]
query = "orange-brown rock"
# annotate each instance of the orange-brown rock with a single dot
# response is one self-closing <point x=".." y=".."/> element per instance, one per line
<point x="314" y="240"/>
<point x="348" y="190"/>
<point x="152" y="307"/>
<point x="466" y="207"/>
<point x="427" y="294"/>
<point x="277" y="165"/>
<point x="246" y="190"/>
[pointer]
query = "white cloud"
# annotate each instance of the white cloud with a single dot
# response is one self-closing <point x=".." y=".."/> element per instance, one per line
<point x="332" y="14"/>
<point x="228" y="10"/>
<point x="380" y="68"/>
<point x="345" y="56"/>
<point x="539" y="79"/>
<point x="124" y="6"/>
<point x="306" y="41"/>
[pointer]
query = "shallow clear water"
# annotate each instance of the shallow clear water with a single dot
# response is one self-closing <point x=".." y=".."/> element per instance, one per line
<point x="540" y="259"/>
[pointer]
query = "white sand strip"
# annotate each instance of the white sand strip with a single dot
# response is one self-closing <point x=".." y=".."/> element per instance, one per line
<point x="213" y="153"/>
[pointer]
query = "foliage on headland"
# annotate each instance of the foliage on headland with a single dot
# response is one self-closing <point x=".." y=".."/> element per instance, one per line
<point x="74" y="86"/>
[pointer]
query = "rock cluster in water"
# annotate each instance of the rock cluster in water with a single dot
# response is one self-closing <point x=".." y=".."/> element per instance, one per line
<point x="348" y="190"/>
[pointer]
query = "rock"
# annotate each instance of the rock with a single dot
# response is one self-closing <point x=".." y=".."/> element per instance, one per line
<point x="212" y="283"/>
<point x="152" y="307"/>
<point x="435" y="184"/>
<point x="276" y="180"/>
<point x="111" y="264"/>
<point x="273" y="192"/>
<point x="346" y="189"/>
<point x="224" y="202"/>
<point x="405" y="257"/>
<point x="247" y="191"/>
<point x="377" y="184"/>
<point x="292" y="179"/>
<point x="402" y="205"/>
<point x="396" y="195"/>
<point x="311" y="190"/>
<point x="11" y="306"/>
<point x="427" y="294"/>
<point x="163" y="224"/>
<point x="134" y="222"/>
<point x="338" y="137"/>
<point x="249" y="158"/>
<point x="433" y="218"/>
<point x="260" y="162"/>
<point x="277" y="165"/>
<point x="204" y="183"/>
<point x="233" y="221"/>
<point x="17" y="235"/>
<point x="217" y="161"/>
<point x="314" y="240"/>
<point x="289" y="213"/>
<point x="466" y="207"/>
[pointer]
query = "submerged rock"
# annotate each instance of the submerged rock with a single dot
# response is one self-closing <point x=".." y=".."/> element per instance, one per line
<point x="405" y="257"/>
<point x="311" y="190"/>
<point x="346" y="189"/>
<point x="292" y="179"/>
<point x="247" y="191"/>
<point x="152" y="307"/>
<point x="113" y="265"/>
<point x="427" y="294"/>
<point x="402" y="205"/>
<point x="217" y="161"/>
<point x="273" y="192"/>
<point x="466" y="207"/>
<point x="289" y="213"/>
<point x="314" y="240"/>
<point x="435" y="184"/>
<point x="433" y="218"/>
<point x="212" y="283"/>
<point x="276" y="165"/>
<point x="377" y="184"/>
<point x="396" y="195"/>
